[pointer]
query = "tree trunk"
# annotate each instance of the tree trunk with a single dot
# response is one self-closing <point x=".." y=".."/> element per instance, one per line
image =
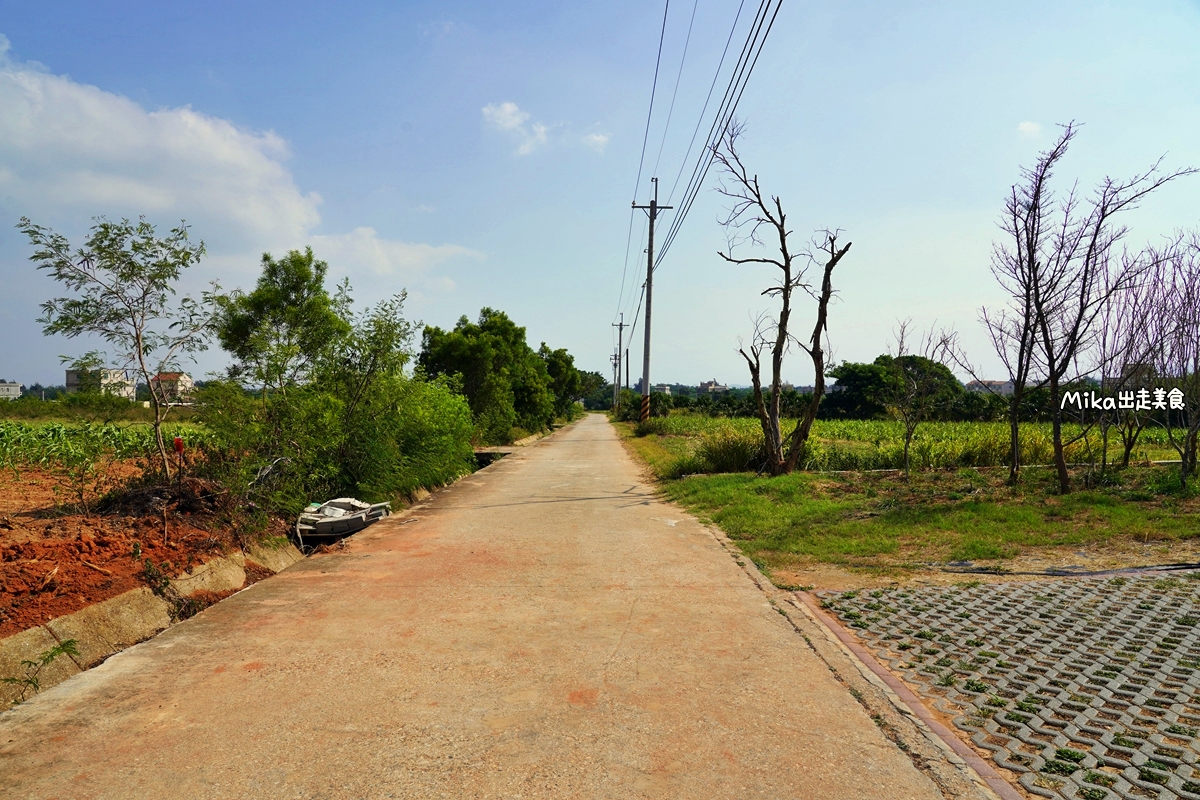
<point x="1060" y="459"/>
<point x="1014" y="459"/>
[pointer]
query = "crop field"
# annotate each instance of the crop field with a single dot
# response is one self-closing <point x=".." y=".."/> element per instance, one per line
<point x="47" y="444"/>
<point x="870" y="444"/>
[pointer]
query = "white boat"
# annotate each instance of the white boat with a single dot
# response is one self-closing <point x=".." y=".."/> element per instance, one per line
<point x="321" y="523"/>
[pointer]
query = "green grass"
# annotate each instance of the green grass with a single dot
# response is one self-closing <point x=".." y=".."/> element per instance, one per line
<point x="881" y="520"/>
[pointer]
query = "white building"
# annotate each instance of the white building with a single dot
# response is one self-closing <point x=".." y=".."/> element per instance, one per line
<point x="174" y="387"/>
<point x="10" y="390"/>
<point x="112" y="381"/>
<point x="1003" y="388"/>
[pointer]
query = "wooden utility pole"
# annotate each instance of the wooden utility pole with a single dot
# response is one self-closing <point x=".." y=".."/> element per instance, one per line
<point x="652" y="210"/>
<point x="620" y="326"/>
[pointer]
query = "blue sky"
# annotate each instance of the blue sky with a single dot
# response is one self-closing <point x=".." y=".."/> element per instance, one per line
<point x="485" y="154"/>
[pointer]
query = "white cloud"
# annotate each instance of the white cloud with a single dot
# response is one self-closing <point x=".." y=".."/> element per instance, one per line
<point x="66" y="146"/>
<point x="363" y="249"/>
<point x="509" y="118"/>
<point x="1028" y="128"/>
<point x="69" y="151"/>
<point x="597" y="141"/>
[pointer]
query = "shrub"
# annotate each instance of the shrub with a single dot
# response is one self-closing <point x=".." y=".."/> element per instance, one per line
<point x="731" y="450"/>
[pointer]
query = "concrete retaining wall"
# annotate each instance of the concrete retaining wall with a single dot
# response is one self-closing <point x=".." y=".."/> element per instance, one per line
<point x="106" y="628"/>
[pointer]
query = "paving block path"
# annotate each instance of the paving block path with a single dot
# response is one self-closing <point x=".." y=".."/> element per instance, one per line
<point x="545" y="628"/>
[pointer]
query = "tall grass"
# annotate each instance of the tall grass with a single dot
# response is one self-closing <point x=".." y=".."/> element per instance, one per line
<point x="732" y="445"/>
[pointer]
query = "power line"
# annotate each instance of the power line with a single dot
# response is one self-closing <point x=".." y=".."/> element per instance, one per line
<point x="734" y="77"/>
<point x="678" y="76"/>
<point x="653" y="90"/>
<point x="725" y="114"/>
<point x="711" y="86"/>
<point x="625" y="268"/>
<point x="645" y="138"/>
<point x="733" y="94"/>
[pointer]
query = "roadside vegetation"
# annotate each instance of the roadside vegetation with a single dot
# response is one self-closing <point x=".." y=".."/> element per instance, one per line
<point x="899" y="464"/>
<point x="876" y="519"/>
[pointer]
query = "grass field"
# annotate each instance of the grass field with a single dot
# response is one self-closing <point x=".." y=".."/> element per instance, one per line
<point x="883" y="522"/>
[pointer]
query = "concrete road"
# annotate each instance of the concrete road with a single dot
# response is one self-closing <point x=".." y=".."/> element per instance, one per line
<point x="543" y="629"/>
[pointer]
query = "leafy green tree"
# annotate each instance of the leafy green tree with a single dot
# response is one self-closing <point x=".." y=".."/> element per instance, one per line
<point x="921" y="389"/>
<point x="356" y="425"/>
<point x="861" y="391"/>
<point x="279" y="331"/>
<point x="122" y="284"/>
<point x="596" y="391"/>
<point x="566" y="382"/>
<point x="505" y="382"/>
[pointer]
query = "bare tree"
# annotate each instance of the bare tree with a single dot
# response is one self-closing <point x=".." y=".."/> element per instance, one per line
<point x="1124" y="354"/>
<point x="1176" y="324"/>
<point x="753" y="212"/>
<point x="1066" y="274"/>
<point x="1015" y="265"/>
<point x="921" y="383"/>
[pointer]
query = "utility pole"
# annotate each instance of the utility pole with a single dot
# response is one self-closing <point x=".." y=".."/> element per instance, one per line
<point x="652" y="210"/>
<point x="620" y="326"/>
<point x="615" y="359"/>
<point x="626" y="368"/>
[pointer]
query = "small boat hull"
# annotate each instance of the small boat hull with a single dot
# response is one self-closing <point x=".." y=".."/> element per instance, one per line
<point x="328" y="522"/>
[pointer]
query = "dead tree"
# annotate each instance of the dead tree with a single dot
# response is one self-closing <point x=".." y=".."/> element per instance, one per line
<point x="1176" y="324"/>
<point x="752" y="213"/>
<point x="1015" y="265"/>
<point x="1125" y="352"/>
<point x="1068" y="272"/>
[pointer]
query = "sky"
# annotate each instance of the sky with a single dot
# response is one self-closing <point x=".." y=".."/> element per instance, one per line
<point x="486" y="154"/>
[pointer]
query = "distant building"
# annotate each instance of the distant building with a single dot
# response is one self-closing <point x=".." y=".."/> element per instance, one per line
<point x="712" y="387"/>
<point x="1003" y="388"/>
<point x="112" y="381"/>
<point x="1133" y="376"/>
<point x="663" y="388"/>
<point x="10" y="390"/>
<point x="174" y="387"/>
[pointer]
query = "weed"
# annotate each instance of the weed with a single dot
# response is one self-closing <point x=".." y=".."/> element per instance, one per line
<point x="1100" y="779"/>
<point x="1067" y="754"/>
<point x="973" y="685"/>
<point x="1150" y="776"/>
<point x="33" y="669"/>
<point x="1056" y="767"/>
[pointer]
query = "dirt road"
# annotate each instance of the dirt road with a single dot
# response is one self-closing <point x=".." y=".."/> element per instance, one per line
<point x="543" y="629"/>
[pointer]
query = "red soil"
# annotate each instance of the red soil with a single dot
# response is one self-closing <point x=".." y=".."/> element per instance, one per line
<point x="54" y="563"/>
